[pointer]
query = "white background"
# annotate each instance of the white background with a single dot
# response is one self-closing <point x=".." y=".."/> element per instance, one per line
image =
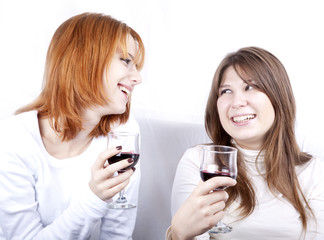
<point x="185" y="41"/>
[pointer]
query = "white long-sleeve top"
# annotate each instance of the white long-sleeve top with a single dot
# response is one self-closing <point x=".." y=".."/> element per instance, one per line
<point x="45" y="198"/>
<point x="274" y="217"/>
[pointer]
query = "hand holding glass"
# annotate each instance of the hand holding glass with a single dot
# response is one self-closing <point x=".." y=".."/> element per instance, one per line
<point x="218" y="161"/>
<point x="130" y="149"/>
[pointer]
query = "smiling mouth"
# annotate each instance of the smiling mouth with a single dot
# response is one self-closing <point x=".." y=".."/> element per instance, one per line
<point x="124" y="90"/>
<point x="243" y="118"/>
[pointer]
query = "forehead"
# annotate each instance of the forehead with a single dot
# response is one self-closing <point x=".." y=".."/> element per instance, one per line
<point x="230" y="75"/>
<point x="237" y="74"/>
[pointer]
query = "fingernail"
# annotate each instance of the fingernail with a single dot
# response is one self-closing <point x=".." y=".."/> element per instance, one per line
<point x="130" y="160"/>
<point x="119" y="147"/>
<point x="133" y="168"/>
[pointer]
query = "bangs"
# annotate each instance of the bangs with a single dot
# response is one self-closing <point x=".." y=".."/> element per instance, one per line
<point x="138" y="59"/>
<point x="249" y="75"/>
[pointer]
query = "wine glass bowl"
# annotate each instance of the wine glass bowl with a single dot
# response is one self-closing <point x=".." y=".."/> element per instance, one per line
<point x="123" y="156"/>
<point x="218" y="161"/>
<point x="130" y="149"/>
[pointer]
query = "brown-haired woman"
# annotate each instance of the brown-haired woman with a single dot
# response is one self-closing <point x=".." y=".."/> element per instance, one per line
<point x="279" y="193"/>
<point x="55" y="182"/>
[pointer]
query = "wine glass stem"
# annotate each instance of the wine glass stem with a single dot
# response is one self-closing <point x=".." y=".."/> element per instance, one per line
<point x="121" y="198"/>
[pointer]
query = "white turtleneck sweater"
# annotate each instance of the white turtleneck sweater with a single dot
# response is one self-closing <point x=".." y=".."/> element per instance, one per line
<point x="274" y="217"/>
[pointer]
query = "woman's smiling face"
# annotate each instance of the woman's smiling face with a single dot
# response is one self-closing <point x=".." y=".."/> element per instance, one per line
<point x="246" y="113"/>
<point x="121" y="78"/>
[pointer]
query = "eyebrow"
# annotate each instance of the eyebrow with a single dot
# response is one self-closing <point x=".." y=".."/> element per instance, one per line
<point x="131" y="56"/>
<point x="224" y="85"/>
<point x="128" y="54"/>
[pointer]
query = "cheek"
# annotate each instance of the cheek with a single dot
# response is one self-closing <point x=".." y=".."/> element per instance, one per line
<point x="222" y="106"/>
<point x="222" y="110"/>
<point x="268" y="110"/>
<point x="271" y="114"/>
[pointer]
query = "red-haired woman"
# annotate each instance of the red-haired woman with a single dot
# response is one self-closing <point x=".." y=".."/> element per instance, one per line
<point x="54" y="181"/>
<point x="279" y="193"/>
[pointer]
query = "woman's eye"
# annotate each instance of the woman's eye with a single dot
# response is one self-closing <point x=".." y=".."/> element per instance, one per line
<point x="248" y="87"/>
<point x="126" y="60"/>
<point x="225" y="91"/>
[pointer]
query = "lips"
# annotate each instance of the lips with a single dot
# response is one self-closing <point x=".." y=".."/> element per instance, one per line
<point x="243" y="118"/>
<point x="125" y="89"/>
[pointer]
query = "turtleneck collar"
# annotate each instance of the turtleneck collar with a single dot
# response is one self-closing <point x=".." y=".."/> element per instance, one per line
<point x="250" y="155"/>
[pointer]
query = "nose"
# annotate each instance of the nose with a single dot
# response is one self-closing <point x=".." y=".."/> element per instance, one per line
<point x="239" y="100"/>
<point x="135" y="76"/>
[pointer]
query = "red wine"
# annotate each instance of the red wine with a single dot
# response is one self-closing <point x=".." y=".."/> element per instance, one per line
<point x="122" y="156"/>
<point x="205" y="175"/>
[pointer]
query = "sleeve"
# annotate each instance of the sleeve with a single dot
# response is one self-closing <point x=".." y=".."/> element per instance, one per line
<point x="186" y="179"/>
<point x="168" y="234"/>
<point x="19" y="218"/>
<point x="119" y="224"/>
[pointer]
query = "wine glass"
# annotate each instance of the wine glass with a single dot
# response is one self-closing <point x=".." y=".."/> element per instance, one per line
<point x="218" y="161"/>
<point x="130" y="149"/>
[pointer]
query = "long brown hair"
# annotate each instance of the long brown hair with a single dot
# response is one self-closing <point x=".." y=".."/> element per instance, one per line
<point x="80" y="50"/>
<point x="282" y="153"/>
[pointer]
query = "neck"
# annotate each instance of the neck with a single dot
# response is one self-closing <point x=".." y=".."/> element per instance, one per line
<point x="249" y="145"/>
<point x="63" y="149"/>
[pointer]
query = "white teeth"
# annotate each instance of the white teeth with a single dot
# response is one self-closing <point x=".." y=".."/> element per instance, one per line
<point x="243" y="118"/>
<point x="122" y="88"/>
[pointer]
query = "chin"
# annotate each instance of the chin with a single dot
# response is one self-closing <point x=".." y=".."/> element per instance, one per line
<point x="120" y="111"/>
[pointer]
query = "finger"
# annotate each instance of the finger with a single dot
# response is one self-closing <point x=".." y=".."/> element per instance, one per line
<point x="112" y="168"/>
<point x="121" y="177"/>
<point x="216" y="207"/>
<point x="101" y="185"/>
<point x="110" y="192"/>
<point x="107" y="175"/>
<point x="102" y="158"/>
<point x="117" y="179"/>
<point x="212" y="202"/>
<point x="113" y="185"/>
<point x="204" y="188"/>
<point x="104" y="182"/>
<point x="215" y="218"/>
<point x="214" y="197"/>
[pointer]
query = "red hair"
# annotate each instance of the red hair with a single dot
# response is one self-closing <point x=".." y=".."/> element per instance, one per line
<point x="80" y="50"/>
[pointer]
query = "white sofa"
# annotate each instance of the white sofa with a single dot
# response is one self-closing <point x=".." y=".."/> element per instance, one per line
<point x="162" y="145"/>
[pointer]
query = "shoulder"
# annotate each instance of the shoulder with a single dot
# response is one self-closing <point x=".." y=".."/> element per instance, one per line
<point x="192" y="156"/>
<point x="19" y="131"/>
<point x="312" y="143"/>
<point x="317" y="165"/>
<point x="313" y="166"/>
<point x="18" y="122"/>
<point x="310" y="176"/>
